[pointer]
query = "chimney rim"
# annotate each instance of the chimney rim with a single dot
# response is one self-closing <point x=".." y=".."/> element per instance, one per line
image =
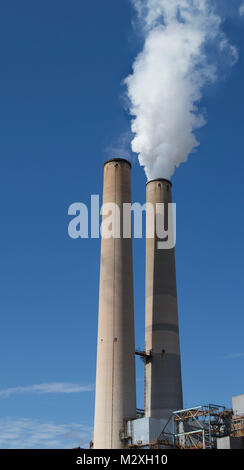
<point x="118" y="160"/>
<point x="159" y="179"/>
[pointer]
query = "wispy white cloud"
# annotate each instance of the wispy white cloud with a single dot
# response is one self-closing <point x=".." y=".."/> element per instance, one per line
<point x="120" y="147"/>
<point x="26" y="433"/>
<point x="56" y="387"/>
<point x="233" y="356"/>
<point x="241" y="10"/>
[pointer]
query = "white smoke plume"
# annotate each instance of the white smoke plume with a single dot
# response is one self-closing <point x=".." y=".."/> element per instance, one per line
<point x="168" y="77"/>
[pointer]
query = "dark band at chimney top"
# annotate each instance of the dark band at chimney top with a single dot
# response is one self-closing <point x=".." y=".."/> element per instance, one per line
<point x="118" y="160"/>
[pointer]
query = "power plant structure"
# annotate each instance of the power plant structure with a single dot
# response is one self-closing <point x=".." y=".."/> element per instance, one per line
<point x="115" y="402"/>
<point x="163" y="423"/>
<point x="163" y="387"/>
<point x="116" y="378"/>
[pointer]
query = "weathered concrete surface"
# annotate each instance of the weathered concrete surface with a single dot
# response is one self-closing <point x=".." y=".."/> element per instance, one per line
<point x="230" y="443"/>
<point x="238" y="405"/>
<point x="163" y="387"/>
<point x="147" y="430"/>
<point x="115" y="380"/>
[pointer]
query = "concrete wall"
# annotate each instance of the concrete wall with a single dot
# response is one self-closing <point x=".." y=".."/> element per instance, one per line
<point x="163" y="388"/>
<point x="146" y="430"/>
<point x="230" y="443"/>
<point x="238" y="405"/>
<point x="115" y="380"/>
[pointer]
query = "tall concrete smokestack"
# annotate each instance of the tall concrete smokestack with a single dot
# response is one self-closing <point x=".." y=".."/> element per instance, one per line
<point x="163" y="388"/>
<point x="115" y="379"/>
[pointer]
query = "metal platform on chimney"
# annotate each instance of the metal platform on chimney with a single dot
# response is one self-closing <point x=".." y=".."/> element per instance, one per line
<point x="146" y="356"/>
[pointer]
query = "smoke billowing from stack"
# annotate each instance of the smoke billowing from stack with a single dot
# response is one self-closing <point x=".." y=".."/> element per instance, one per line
<point x="168" y="78"/>
<point x="163" y="388"/>
<point x="165" y="90"/>
<point x="115" y="380"/>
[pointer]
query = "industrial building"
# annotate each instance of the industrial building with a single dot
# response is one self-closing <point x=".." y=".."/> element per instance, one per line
<point x="163" y="423"/>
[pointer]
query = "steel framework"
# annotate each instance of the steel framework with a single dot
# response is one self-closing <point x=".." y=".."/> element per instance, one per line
<point x="197" y="428"/>
<point x="237" y="426"/>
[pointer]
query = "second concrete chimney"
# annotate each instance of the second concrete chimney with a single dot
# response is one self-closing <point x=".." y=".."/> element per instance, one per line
<point x="163" y="388"/>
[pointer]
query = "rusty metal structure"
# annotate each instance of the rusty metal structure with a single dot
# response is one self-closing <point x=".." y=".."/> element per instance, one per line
<point x="237" y="426"/>
<point x="196" y="428"/>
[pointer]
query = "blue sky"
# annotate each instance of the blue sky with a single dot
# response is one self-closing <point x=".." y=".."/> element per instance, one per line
<point x="61" y="114"/>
